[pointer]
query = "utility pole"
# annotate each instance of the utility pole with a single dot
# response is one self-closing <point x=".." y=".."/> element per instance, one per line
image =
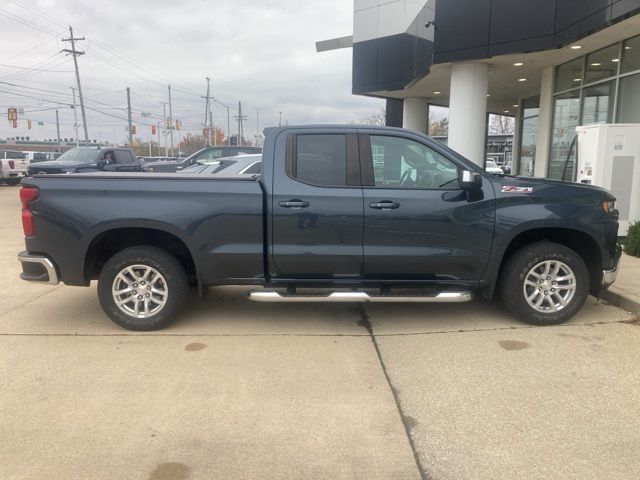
<point x="75" y="117"/>
<point x="207" y="110"/>
<point x="164" y="116"/>
<point x="257" y="124"/>
<point x="240" y="119"/>
<point x="280" y="121"/>
<point x="170" y="121"/>
<point x="228" y="127"/>
<point x="58" y="130"/>
<point x="129" y="116"/>
<point x="75" y="54"/>
<point x="159" y="142"/>
<point x="214" y="131"/>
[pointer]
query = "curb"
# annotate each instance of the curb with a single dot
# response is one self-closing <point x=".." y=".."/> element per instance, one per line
<point x="621" y="301"/>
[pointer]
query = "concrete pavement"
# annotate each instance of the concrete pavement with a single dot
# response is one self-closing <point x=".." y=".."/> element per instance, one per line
<point x="625" y="292"/>
<point x="242" y="390"/>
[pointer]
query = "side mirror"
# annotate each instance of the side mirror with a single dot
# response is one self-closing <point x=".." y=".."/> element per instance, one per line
<point x="470" y="180"/>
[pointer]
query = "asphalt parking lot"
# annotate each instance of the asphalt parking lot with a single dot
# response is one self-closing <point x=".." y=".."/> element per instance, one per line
<point x="236" y="389"/>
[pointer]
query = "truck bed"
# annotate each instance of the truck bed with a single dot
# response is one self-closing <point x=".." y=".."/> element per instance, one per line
<point x="220" y="219"/>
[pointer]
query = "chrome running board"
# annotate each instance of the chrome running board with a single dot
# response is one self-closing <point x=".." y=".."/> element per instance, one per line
<point x="442" y="297"/>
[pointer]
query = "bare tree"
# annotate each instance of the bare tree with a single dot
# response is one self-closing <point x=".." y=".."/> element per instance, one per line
<point x="438" y="127"/>
<point x="501" y="125"/>
<point x="378" y="118"/>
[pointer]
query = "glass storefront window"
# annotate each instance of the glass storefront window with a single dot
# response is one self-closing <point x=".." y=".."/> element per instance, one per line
<point x="565" y="120"/>
<point x="569" y="75"/>
<point x="629" y="101"/>
<point x="529" y="130"/>
<point x="603" y="64"/>
<point x="597" y="103"/>
<point x="631" y="55"/>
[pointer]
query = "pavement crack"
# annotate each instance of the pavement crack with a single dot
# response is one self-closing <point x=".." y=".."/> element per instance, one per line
<point x="407" y="422"/>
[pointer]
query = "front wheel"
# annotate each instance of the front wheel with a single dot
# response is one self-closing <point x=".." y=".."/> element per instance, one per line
<point x="142" y="288"/>
<point x="544" y="283"/>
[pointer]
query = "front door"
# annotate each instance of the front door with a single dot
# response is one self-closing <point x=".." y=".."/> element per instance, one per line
<point x="317" y="207"/>
<point x="419" y="224"/>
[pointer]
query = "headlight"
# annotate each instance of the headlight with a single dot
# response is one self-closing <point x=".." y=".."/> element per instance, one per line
<point x="67" y="172"/>
<point x="609" y="206"/>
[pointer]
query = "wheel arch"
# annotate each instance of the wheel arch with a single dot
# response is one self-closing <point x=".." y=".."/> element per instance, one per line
<point x="580" y="241"/>
<point x="109" y="241"/>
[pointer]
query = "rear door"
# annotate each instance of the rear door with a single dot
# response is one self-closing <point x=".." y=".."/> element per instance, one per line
<point x="317" y="206"/>
<point x="419" y="224"/>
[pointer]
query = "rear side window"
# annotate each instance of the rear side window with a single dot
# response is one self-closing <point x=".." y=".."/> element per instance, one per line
<point x="321" y="160"/>
<point x="15" y="155"/>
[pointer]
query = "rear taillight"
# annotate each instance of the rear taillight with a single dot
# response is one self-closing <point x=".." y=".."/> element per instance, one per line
<point x="12" y="164"/>
<point x="28" y="195"/>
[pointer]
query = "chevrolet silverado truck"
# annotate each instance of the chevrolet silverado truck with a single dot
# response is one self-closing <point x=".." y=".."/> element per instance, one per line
<point x="338" y="214"/>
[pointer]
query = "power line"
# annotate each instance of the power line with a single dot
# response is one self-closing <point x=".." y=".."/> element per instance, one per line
<point x="29" y="23"/>
<point x="27" y="50"/>
<point x="32" y="10"/>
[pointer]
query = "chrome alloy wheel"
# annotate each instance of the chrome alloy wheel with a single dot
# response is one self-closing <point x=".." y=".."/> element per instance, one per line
<point x="140" y="291"/>
<point x="549" y="286"/>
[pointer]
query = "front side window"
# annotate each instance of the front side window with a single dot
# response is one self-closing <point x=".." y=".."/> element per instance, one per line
<point x="321" y="159"/>
<point x="123" y="157"/>
<point x="404" y="163"/>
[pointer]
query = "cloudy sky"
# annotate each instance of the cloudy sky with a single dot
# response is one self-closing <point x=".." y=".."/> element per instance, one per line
<point x="262" y="53"/>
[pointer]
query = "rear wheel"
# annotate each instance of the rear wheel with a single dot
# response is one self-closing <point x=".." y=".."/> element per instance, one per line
<point x="142" y="288"/>
<point x="544" y="283"/>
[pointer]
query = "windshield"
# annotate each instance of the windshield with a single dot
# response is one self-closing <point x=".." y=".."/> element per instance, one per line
<point x="79" y="155"/>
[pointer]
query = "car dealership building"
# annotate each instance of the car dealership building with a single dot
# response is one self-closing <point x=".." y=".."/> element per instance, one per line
<point x="551" y="64"/>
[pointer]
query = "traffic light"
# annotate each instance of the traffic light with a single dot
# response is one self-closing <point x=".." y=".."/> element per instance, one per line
<point x="153" y="129"/>
<point x="133" y="129"/>
<point x="29" y="124"/>
<point x="15" y="123"/>
<point x="178" y="124"/>
<point x="12" y="114"/>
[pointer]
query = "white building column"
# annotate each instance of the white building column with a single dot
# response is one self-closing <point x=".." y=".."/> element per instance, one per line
<point x="543" y="132"/>
<point x="468" y="110"/>
<point x="414" y="114"/>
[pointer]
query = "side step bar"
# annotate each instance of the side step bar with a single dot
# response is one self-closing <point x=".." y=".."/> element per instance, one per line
<point x="442" y="297"/>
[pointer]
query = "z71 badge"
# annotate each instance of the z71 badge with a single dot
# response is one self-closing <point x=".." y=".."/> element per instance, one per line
<point x="513" y="189"/>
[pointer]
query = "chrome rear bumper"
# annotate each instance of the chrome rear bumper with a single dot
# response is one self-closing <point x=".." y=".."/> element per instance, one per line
<point x="38" y="269"/>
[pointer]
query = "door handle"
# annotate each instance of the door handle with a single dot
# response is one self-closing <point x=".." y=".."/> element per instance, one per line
<point x="385" y="205"/>
<point x="294" y="204"/>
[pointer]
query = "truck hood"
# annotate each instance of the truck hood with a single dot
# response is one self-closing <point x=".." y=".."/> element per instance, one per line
<point x="506" y="185"/>
<point x="62" y="164"/>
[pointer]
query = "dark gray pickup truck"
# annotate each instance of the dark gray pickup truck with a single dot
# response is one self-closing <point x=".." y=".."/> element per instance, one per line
<point x="339" y="214"/>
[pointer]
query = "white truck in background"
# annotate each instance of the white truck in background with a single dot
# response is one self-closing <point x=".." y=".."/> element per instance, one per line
<point x="13" y="166"/>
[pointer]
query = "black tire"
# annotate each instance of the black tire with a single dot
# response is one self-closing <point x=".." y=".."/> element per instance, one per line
<point x="516" y="270"/>
<point x="173" y="280"/>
